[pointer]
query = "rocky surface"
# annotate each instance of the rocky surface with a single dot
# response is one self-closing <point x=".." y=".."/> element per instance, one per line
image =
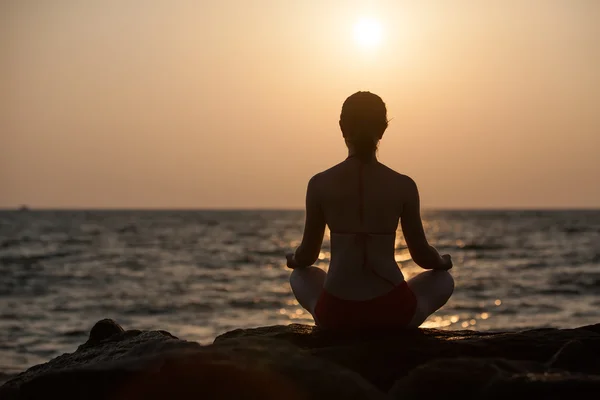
<point x="303" y="362"/>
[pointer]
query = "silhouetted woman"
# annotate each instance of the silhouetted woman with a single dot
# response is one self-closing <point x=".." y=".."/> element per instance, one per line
<point x="362" y="200"/>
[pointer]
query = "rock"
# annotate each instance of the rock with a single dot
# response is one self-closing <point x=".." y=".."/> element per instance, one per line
<point x="104" y="329"/>
<point x="304" y="362"/>
<point x="467" y="378"/>
<point x="575" y="356"/>
<point x="156" y="365"/>
<point x="383" y="357"/>
<point x="470" y="378"/>
<point x="548" y="386"/>
<point x="134" y="347"/>
<point x="4" y="377"/>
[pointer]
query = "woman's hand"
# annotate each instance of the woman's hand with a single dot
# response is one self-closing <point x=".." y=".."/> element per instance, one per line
<point x="291" y="261"/>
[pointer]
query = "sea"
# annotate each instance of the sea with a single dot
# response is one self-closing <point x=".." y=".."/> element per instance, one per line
<point x="198" y="274"/>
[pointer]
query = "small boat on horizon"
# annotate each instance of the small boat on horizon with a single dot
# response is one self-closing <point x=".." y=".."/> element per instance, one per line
<point x="23" y="208"/>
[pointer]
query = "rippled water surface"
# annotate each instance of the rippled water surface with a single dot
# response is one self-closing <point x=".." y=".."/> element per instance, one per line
<point x="200" y="273"/>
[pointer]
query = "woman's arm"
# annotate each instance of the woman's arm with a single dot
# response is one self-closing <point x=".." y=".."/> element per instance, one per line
<point x="422" y="253"/>
<point x="314" y="228"/>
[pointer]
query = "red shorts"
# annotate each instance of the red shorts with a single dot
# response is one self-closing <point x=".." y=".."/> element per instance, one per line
<point x="394" y="309"/>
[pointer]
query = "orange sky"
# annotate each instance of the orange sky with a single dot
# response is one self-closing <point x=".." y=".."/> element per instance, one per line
<point x="234" y="104"/>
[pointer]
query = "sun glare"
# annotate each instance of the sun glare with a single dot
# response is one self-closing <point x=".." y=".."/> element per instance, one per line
<point x="367" y="32"/>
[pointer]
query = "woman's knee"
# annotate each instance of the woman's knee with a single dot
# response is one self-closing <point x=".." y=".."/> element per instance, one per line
<point x="307" y="275"/>
<point x="297" y="278"/>
<point x="444" y="284"/>
<point x="294" y="276"/>
<point x="307" y="284"/>
<point x="446" y="280"/>
<point x="433" y="288"/>
<point x="432" y="277"/>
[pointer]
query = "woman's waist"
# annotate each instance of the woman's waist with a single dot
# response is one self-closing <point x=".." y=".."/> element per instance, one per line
<point x="358" y="261"/>
<point x="357" y="281"/>
<point x="358" y="257"/>
<point x="353" y="245"/>
<point x="351" y="238"/>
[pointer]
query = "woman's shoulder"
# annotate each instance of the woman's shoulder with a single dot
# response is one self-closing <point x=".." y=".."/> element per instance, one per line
<point x="339" y="168"/>
<point x="397" y="176"/>
<point x="329" y="172"/>
<point x="323" y="179"/>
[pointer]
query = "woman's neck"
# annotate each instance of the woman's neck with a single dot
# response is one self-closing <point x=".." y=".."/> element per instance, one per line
<point x="354" y="154"/>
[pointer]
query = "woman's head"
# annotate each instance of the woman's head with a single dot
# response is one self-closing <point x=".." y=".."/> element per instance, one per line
<point x="363" y="121"/>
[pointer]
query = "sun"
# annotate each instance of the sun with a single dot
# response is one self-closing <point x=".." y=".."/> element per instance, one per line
<point x="367" y="32"/>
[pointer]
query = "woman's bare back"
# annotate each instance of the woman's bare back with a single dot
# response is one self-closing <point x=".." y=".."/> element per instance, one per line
<point x="362" y="203"/>
<point x="383" y="196"/>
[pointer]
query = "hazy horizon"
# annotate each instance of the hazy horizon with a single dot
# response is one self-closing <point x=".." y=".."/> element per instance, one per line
<point x="234" y="105"/>
<point x="284" y="209"/>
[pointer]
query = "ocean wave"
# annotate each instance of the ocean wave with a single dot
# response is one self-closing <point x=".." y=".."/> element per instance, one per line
<point x="149" y="310"/>
<point x="75" y="333"/>
<point x="584" y="314"/>
<point x="537" y="264"/>
<point x="23" y="240"/>
<point x="247" y="234"/>
<point x="77" y="241"/>
<point x="577" y="229"/>
<point x="168" y="309"/>
<point x="32" y="259"/>
<point x="480" y="246"/>
<point x="583" y="281"/>
<point x="195" y="307"/>
<point x="245" y="259"/>
<point x="128" y="229"/>
<point x="5" y="244"/>
<point x="256" y="304"/>
<point x="272" y="253"/>
<point x="560" y="292"/>
<point x="540" y="307"/>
